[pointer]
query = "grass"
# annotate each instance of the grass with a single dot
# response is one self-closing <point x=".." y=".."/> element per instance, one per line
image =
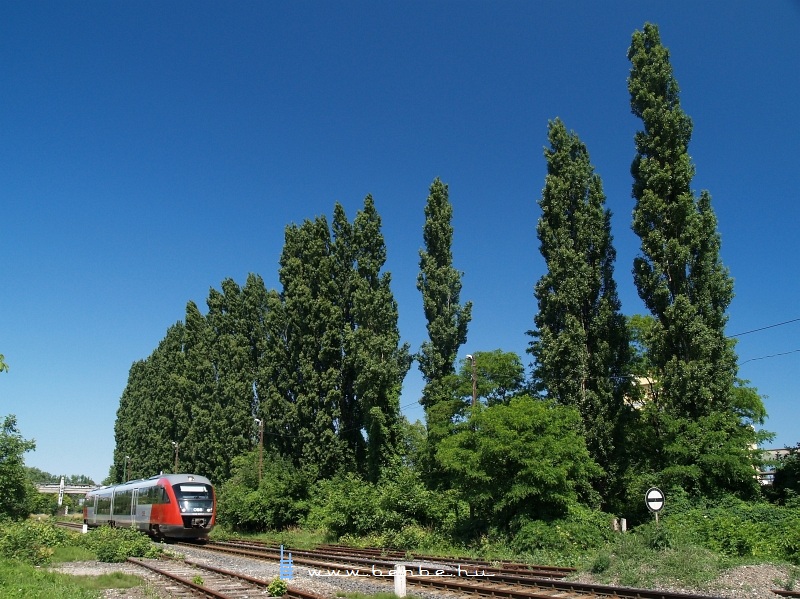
<point x="72" y="553"/>
<point x="22" y="581"/>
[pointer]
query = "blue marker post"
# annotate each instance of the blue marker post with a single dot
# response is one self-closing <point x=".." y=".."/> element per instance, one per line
<point x="286" y="569"/>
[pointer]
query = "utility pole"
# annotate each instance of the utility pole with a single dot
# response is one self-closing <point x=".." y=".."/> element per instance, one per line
<point x="471" y="358"/>
<point x="260" y="447"/>
<point x="176" y="445"/>
<point x="127" y="461"/>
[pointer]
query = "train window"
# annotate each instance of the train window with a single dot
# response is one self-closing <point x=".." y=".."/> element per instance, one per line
<point x="103" y="505"/>
<point x="122" y="502"/>
<point x="154" y="495"/>
<point x="194" y="498"/>
<point x="160" y="495"/>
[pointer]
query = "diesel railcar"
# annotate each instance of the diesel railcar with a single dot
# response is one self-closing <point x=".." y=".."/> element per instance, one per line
<point x="166" y="506"/>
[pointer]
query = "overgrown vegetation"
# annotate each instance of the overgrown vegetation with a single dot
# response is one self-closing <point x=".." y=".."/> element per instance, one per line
<point x="31" y="541"/>
<point x="118" y="544"/>
<point x="504" y="465"/>
<point x="35" y="542"/>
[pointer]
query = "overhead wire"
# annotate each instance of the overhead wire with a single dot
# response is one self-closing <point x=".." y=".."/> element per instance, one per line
<point x="770" y="326"/>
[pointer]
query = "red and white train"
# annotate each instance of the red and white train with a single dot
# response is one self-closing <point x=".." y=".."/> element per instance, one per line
<point x="167" y="506"/>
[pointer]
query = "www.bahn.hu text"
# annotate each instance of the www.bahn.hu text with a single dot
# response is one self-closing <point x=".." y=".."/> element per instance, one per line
<point x="409" y="571"/>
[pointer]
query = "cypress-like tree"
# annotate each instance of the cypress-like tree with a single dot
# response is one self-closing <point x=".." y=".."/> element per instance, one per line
<point x="701" y="435"/>
<point x="447" y="319"/>
<point x="580" y="345"/>
<point x="151" y="411"/>
<point x="330" y="379"/>
<point x="305" y="401"/>
<point x="380" y="361"/>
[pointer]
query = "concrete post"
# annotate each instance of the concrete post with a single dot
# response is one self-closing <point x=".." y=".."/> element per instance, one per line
<point x="400" y="580"/>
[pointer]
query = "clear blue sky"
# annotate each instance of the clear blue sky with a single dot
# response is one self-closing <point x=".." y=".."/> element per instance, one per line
<point x="150" y="149"/>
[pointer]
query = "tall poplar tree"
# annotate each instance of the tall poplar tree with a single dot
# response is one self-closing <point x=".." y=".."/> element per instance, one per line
<point x="306" y="400"/>
<point x="580" y="345"/>
<point x="151" y="411"/>
<point x="330" y="379"/>
<point x="447" y="319"/>
<point x="701" y="435"/>
<point x="375" y="362"/>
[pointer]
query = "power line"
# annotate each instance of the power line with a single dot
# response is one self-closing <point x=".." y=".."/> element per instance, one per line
<point x="786" y="353"/>
<point x="771" y="326"/>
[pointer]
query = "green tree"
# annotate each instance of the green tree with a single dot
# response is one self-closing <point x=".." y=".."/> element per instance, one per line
<point x="3" y="365"/>
<point x="786" y="481"/>
<point x="580" y="345"/>
<point x="16" y="491"/>
<point x="525" y="459"/>
<point x="701" y="439"/>
<point x="376" y="361"/>
<point x="499" y="376"/>
<point x="151" y="411"/>
<point x="447" y="320"/>
<point x="330" y="381"/>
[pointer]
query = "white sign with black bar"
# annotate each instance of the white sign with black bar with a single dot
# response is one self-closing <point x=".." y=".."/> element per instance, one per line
<point x="654" y="499"/>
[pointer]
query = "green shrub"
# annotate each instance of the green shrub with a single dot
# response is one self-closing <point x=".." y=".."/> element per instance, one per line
<point x="118" y="544"/>
<point x="31" y="541"/>
<point x="349" y="505"/>
<point x="278" y="501"/>
<point x="277" y="588"/>
<point x="581" y="530"/>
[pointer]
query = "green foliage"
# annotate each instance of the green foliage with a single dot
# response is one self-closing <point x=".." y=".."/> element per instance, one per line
<point x="697" y="423"/>
<point x="440" y="285"/>
<point x="525" y="459"/>
<point x="277" y="587"/>
<point x="196" y="388"/>
<point x="727" y="526"/>
<point x="31" y="541"/>
<point x="637" y="560"/>
<point x="786" y="481"/>
<point x="349" y="505"/>
<point x="330" y="377"/>
<point x="580" y="344"/>
<point x="16" y="491"/>
<point x="499" y="376"/>
<point x="118" y="544"/>
<point x="18" y="579"/>
<point x="280" y="500"/>
<point x="447" y="320"/>
<point x="581" y="530"/>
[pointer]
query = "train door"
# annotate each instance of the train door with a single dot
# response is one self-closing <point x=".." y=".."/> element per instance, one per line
<point x="134" y="503"/>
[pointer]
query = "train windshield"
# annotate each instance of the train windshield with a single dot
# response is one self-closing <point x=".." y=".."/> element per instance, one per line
<point x="194" y="497"/>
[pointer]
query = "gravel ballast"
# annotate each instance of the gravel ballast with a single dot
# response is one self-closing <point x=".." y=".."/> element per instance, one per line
<point x="743" y="582"/>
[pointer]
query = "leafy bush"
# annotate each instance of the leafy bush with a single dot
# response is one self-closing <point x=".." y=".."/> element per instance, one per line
<point x="118" y="544"/>
<point x="278" y="501"/>
<point x="31" y="541"/>
<point x="349" y="505"/>
<point x="277" y="588"/>
<point x="581" y="530"/>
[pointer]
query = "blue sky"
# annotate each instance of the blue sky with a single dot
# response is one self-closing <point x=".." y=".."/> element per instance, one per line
<point x="151" y="149"/>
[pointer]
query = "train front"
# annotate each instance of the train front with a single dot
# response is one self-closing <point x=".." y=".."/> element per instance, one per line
<point x="195" y="507"/>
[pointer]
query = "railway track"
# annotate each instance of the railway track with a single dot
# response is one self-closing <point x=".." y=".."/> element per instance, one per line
<point x="186" y="578"/>
<point x="439" y="577"/>
<point x="470" y="577"/>
<point x="369" y="560"/>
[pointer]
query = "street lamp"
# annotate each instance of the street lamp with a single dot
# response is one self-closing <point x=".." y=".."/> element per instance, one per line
<point x="176" y="445"/>
<point x="474" y="380"/>
<point x="127" y="460"/>
<point x="260" y="424"/>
